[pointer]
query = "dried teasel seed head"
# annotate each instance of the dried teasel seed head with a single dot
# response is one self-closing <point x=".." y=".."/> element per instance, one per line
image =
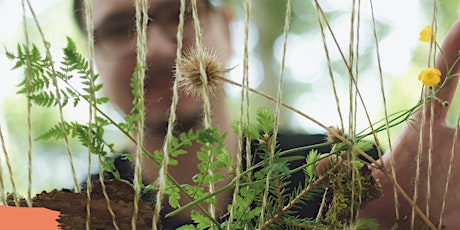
<point x="333" y="139"/>
<point x="191" y="81"/>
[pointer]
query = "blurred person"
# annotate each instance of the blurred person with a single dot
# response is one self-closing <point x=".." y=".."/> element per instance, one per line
<point x="115" y="57"/>
<point x="114" y="30"/>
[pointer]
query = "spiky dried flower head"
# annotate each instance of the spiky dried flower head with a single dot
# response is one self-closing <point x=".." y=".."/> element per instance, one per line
<point x="333" y="139"/>
<point x="189" y="67"/>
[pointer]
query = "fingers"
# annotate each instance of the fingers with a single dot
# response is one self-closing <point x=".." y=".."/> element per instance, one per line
<point x="445" y="63"/>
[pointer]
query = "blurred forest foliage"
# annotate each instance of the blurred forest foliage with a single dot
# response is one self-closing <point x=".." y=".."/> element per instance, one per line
<point x="307" y="84"/>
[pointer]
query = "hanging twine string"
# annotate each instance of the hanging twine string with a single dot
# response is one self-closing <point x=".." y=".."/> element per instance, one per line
<point x="430" y="158"/>
<point x="244" y="99"/>
<point x="419" y="159"/>
<point x="58" y="97"/>
<point x="430" y="142"/>
<point x="434" y="30"/>
<point x="287" y="22"/>
<point x="88" y="6"/>
<point x="351" y="87"/>
<point x="205" y="90"/>
<point x="29" y="107"/>
<point x="161" y="181"/>
<point x="141" y="44"/>
<point x="2" y="187"/>
<point x="5" y="152"/>
<point x="329" y="65"/>
<point x="421" y="139"/>
<point x="353" y="91"/>
<point x="204" y="77"/>
<point x="449" y="172"/>
<point x="106" y="197"/>
<point x="387" y="122"/>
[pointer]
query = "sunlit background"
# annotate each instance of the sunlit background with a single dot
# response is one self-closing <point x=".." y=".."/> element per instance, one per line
<point x="307" y="84"/>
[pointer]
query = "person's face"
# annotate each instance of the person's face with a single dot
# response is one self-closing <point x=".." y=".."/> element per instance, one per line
<point x="115" y="40"/>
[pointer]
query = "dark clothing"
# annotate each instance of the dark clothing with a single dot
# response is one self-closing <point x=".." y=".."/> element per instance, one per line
<point x="286" y="141"/>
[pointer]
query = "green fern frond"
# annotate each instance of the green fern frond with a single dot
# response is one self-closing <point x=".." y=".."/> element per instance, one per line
<point x="56" y="132"/>
<point x="34" y="84"/>
<point x="45" y="99"/>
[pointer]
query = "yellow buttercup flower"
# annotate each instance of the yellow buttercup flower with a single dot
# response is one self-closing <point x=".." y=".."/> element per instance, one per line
<point x="430" y="76"/>
<point x="425" y="34"/>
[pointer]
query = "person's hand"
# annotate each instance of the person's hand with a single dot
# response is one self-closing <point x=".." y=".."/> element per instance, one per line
<point x="405" y="154"/>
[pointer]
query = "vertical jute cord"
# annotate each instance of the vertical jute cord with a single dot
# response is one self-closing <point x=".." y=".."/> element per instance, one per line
<point x="353" y="91"/>
<point x="449" y="172"/>
<point x="387" y="122"/>
<point x="205" y="91"/>
<point x="29" y="107"/>
<point x="172" y="118"/>
<point x="141" y="44"/>
<point x="8" y="165"/>
<point x="272" y="143"/>
<point x="88" y="6"/>
<point x="244" y="101"/>
<point x="419" y="159"/>
<point x="329" y="66"/>
<point x="430" y="157"/>
<point x="246" y="85"/>
<point x="432" y="54"/>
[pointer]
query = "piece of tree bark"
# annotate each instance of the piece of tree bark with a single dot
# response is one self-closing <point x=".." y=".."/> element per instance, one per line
<point x="72" y="206"/>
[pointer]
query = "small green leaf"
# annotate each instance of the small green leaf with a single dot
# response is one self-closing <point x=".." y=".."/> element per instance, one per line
<point x="178" y="152"/>
<point x="365" y="145"/>
<point x="203" y="157"/>
<point x="202" y="221"/>
<point x="265" y="119"/>
<point x="173" y="162"/>
<point x="312" y="161"/>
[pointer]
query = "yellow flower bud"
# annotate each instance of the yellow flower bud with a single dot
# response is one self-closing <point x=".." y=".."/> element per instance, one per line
<point x="430" y="76"/>
<point x="425" y="34"/>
